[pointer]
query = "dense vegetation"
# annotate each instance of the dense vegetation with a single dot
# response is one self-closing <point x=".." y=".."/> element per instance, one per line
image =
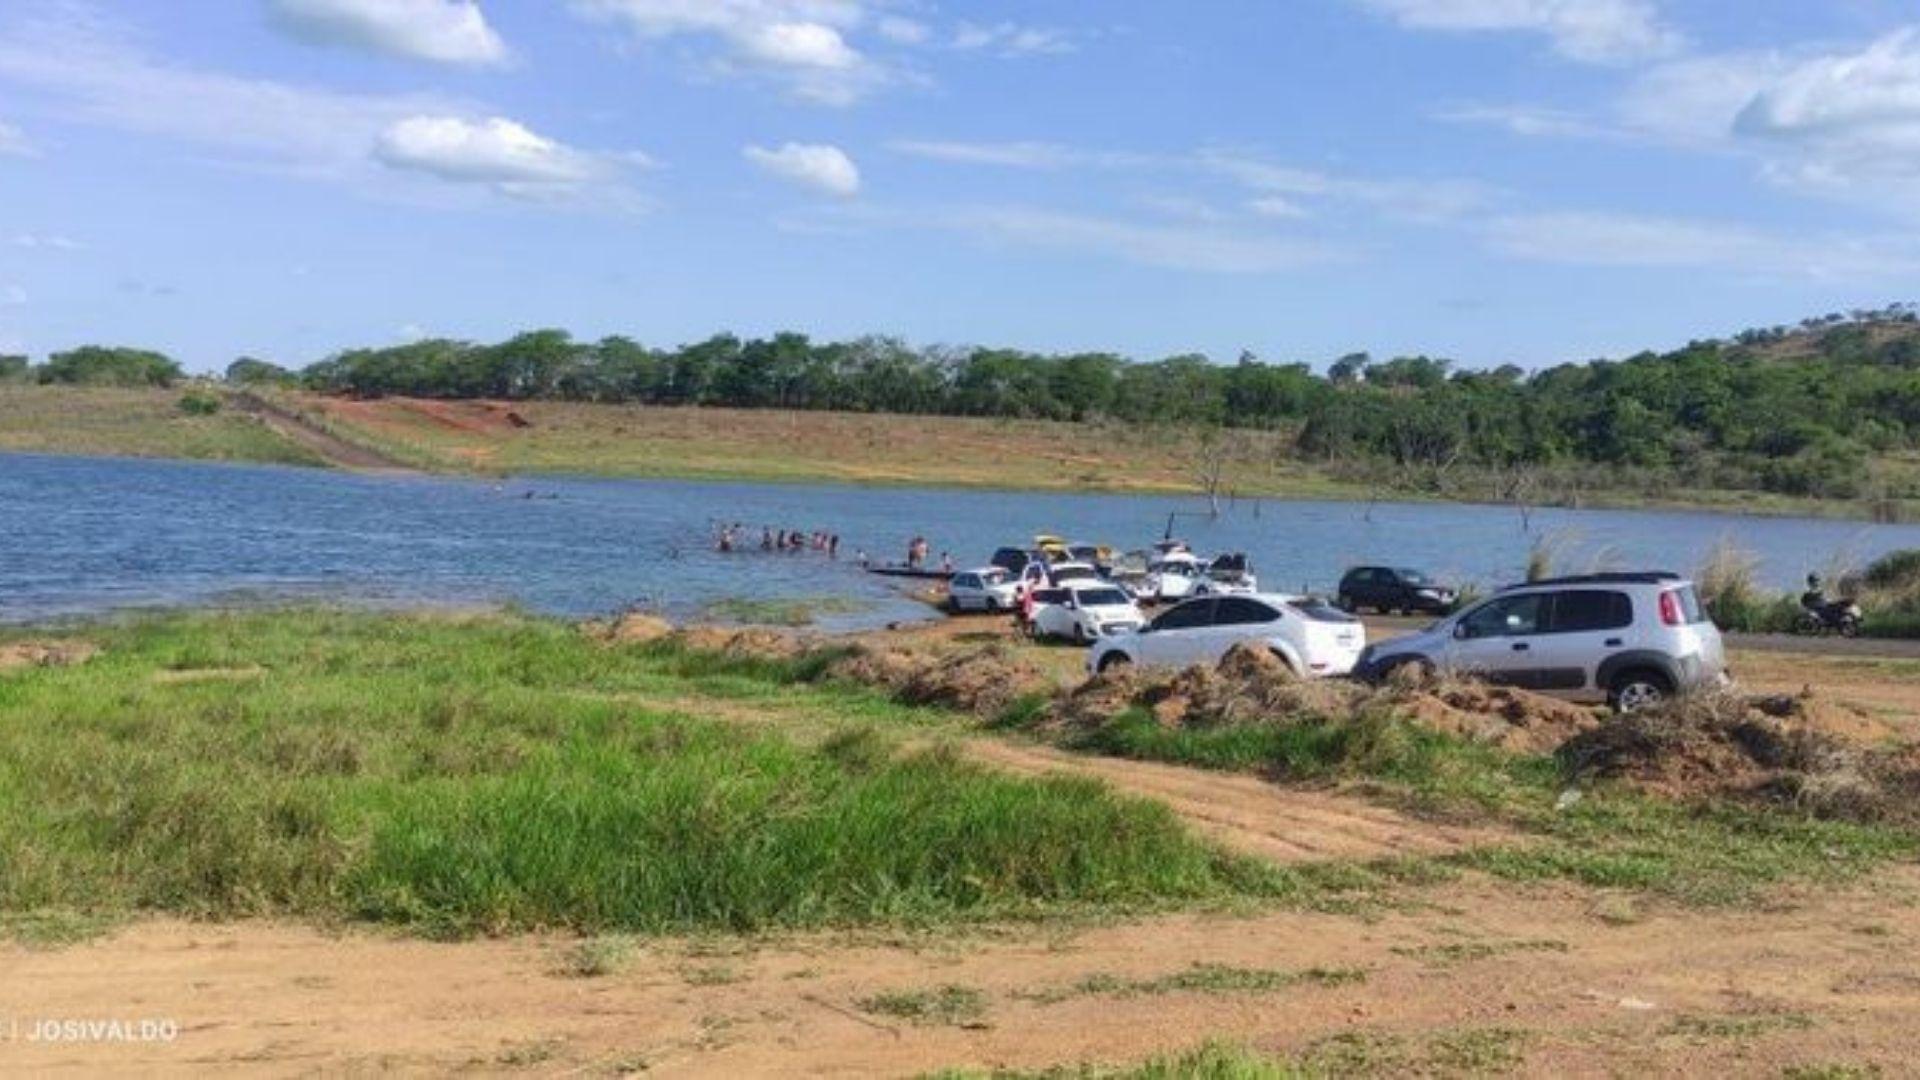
<point x="1799" y="411"/>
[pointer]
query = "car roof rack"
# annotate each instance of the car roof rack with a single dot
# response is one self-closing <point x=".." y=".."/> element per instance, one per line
<point x="1635" y="577"/>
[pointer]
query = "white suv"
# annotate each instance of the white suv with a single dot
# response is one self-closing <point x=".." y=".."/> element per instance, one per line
<point x="1631" y="640"/>
<point x="1312" y="637"/>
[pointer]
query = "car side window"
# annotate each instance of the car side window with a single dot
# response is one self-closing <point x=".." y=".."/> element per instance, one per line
<point x="1586" y="610"/>
<point x="1239" y="611"/>
<point x="1514" y="616"/>
<point x="966" y="581"/>
<point x="1187" y="616"/>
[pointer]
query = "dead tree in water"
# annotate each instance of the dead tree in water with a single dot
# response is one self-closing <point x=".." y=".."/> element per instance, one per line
<point x="1211" y="469"/>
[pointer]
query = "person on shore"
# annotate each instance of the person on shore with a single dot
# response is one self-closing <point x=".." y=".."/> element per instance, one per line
<point x="946" y="562"/>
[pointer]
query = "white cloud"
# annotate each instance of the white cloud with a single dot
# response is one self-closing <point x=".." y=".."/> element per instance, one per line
<point x="49" y="241"/>
<point x="1192" y="247"/>
<point x="823" y="168"/>
<point x="441" y="31"/>
<point x="904" y="31"/>
<point x="96" y="75"/>
<point x="1275" y="206"/>
<point x="1413" y="200"/>
<point x="13" y="142"/>
<point x="491" y="151"/>
<point x="1017" y="155"/>
<point x="1528" y="120"/>
<point x="1610" y="239"/>
<point x="801" y="44"/>
<point x="1011" y="39"/>
<point x="1591" y="31"/>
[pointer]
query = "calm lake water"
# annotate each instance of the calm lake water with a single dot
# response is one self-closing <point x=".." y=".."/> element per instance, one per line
<point x="85" y="536"/>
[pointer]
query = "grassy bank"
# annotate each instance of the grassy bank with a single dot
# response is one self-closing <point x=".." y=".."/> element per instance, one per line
<point x="133" y="423"/>
<point x="496" y="774"/>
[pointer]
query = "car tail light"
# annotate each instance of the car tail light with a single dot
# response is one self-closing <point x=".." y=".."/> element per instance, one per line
<point x="1670" y="609"/>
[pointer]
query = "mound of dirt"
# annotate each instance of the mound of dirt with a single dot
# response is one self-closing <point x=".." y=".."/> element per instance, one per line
<point x="983" y="681"/>
<point x="881" y="666"/>
<point x="630" y="630"/>
<point x="29" y="654"/>
<point x="753" y="642"/>
<point x="1099" y="699"/>
<point x="1511" y="719"/>
<point x="1765" y="748"/>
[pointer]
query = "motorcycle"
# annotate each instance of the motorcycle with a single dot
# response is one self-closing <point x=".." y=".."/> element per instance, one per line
<point x="1822" y="617"/>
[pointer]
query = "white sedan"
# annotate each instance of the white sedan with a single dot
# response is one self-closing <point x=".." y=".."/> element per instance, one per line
<point x="1312" y="637"/>
<point x="989" y="588"/>
<point x="1084" y="612"/>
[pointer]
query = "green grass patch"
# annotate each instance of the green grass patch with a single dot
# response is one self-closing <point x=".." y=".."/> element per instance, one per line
<point x="1199" y="979"/>
<point x="459" y="776"/>
<point x="944" y="1006"/>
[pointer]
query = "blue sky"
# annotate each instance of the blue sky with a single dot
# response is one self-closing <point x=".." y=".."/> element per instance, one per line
<point x="1495" y="181"/>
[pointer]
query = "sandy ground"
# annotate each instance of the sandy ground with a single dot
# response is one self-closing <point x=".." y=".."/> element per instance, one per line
<point x="1480" y="976"/>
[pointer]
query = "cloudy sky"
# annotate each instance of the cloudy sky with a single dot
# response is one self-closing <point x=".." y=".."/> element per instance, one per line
<point x="1498" y="181"/>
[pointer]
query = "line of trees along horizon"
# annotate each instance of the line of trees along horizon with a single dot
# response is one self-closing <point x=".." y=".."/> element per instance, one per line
<point x="1797" y="410"/>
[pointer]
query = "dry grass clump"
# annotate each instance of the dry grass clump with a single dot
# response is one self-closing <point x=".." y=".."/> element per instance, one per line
<point x="31" y="654"/>
<point x="1769" y="748"/>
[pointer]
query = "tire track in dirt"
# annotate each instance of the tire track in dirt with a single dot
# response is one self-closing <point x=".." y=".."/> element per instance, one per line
<point x="1248" y="815"/>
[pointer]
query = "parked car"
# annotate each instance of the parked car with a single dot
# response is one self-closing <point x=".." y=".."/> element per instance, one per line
<point x="1173" y="576"/>
<point x="1084" y="612"/>
<point x="1012" y="559"/>
<point x="1228" y="575"/>
<point x="1631" y="640"/>
<point x="1098" y="556"/>
<point x="1387" y="589"/>
<point x="1314" y="638"/>
<point x="1041" y="574"/>
<point x="989" y="588"/>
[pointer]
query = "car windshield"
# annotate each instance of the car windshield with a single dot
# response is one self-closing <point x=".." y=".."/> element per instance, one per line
<point x="1102" y="597"/>
<point x="993" y="577"/>
<point x="1412" y="577"/>
<point x="1180" y="569"/>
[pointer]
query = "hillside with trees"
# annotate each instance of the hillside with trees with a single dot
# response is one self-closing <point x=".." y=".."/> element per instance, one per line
<point x="1804" y="410"/>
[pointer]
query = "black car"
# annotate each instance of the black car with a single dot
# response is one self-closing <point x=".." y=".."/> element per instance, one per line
<point x="1388" y="589"/>
<point x="1012" y="559"/>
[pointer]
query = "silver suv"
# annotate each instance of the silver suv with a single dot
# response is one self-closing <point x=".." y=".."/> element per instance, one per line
<point x="1631" y="640"/>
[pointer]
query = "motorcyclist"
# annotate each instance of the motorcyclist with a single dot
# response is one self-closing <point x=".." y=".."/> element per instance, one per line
<point x="1815" y="598"/>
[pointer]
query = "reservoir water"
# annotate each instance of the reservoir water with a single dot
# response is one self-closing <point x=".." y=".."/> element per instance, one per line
<point x="86" y="536"/>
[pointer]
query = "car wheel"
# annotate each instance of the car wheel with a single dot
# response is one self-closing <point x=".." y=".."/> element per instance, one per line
<point x="1417" y="668"/>
<point x="1115" y="661"/>
<point x="1080" y="635"/>
<point x="1634" y="691"/>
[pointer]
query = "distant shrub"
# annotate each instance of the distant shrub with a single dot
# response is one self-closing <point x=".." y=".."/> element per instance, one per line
<point x="97" y="365"/>
<point x="1894" y="570"/>
<point x="14" y="369"/>
<point x="200" y="402"/>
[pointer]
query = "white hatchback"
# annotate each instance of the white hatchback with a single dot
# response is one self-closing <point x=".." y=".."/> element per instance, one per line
<point x="1311" y="636"/>
<point x="1085" y="612"/>
<point x="989" y="588"/>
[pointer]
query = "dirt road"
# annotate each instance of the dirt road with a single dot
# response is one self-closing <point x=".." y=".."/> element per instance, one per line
<point x="329" y="447"/>
<point x="1247" y="814"/>
<point x="1479" y="979"/>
